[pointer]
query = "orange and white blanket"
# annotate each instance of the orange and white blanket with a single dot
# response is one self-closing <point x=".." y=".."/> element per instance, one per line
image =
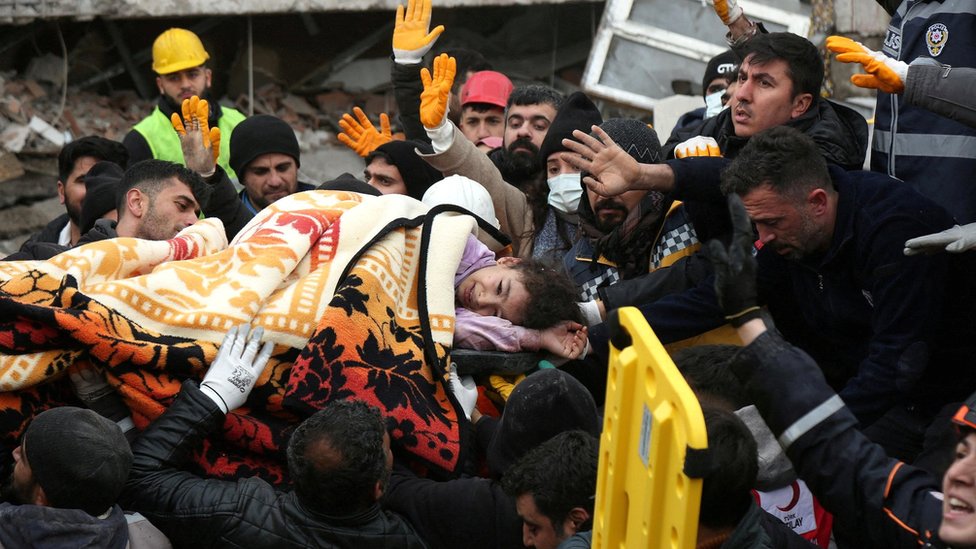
<point x="355" y="291"/>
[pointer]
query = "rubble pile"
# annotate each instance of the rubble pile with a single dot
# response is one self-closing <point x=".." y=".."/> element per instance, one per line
<point x="35" y="124"/>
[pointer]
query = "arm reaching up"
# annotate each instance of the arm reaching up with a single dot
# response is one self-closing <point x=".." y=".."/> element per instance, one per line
<point x="360" y="135"/>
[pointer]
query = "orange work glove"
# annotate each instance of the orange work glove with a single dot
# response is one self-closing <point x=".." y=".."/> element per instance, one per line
<point x="411" y="41"/>
<point x="360" y="135"/>
<point x="437" y="88"/>
<point x="699" y="145"/>
<point x="883" y="73"/>
<point x="196" y="113"/>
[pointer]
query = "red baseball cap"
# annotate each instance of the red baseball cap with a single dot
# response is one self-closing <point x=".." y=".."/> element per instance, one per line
<point x="488" y="87"/>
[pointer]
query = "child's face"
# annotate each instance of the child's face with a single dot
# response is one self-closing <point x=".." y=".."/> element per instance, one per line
<point x="495" y="291"/>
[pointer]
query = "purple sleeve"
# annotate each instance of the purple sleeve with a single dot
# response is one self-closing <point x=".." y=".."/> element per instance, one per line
<point x="490" y="333"/>
<point x="475" y="256"/>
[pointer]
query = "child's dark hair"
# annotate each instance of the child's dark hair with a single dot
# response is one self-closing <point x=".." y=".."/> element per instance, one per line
<point x="552" y="295"/>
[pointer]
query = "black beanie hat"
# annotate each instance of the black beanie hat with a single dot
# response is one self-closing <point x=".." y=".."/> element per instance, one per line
<point x="417" y="174"/>
<point x="577" y="113"/>
<point x="636" y="138"/>
<point x="78" y="457"/>
<point x="722" y="65"/>
<point x="101" y="193"/>
<point x="261" y="134"/>
<point x="348" y="182"/>
<point x="543" y="405"/>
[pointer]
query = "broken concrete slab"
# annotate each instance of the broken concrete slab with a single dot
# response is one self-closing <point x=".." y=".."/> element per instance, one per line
<point x="14" y="137"/>
<point x="10" y="167"/>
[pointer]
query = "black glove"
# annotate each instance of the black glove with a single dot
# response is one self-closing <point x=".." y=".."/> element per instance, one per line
<point x="735" y="268"/>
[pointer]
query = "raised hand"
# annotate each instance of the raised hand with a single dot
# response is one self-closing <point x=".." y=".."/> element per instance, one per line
<point x="360" y="135"/>
<point x="437" y="88"/>
<point x="411" y="39"/>
<point x="200" y="143"/>
<point x="611" y="170"/>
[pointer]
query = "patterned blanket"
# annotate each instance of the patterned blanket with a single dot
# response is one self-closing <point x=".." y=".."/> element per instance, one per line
<point x="355" y="291"/>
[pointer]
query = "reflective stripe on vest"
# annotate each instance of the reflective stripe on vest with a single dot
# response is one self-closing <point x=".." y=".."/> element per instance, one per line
<point x="934" y="145"/>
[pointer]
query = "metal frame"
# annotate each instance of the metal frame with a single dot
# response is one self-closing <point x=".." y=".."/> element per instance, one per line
<point x="616" y="24"/>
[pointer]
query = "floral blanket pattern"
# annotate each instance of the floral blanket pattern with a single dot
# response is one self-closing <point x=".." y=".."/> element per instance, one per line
<point x="356" y="292"/>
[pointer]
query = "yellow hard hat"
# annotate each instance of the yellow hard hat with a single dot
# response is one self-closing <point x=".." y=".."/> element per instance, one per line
<point x="177" y="50"/>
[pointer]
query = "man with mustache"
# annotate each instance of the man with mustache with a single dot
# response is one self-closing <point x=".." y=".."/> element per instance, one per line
<point x="179" y="60"/>
<point x="517" y="195"/>
<point x="894" y="334"/>
<point x="779" y="83"/>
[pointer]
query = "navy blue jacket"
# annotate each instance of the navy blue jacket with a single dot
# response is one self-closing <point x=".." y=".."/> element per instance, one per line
<point x="880" y="500"/>
<point x="935" y="154"/>
<point x="885" y="328"/>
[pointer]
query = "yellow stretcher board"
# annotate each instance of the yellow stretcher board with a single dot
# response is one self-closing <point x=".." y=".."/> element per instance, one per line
<point x="644" y="499"/>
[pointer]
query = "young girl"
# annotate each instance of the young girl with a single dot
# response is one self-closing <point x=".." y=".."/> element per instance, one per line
<point x="513" y="304"/>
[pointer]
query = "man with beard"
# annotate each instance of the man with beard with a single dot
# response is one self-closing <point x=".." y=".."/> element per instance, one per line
<point x="779" y="83"/>
<point x="530" y="111"/>
<point x="895" y="334"/>
<point x="179" y="61"/>
<point x="74" y="161"/>
<point x="265" y="154"/>
<point x="68" y="473"/>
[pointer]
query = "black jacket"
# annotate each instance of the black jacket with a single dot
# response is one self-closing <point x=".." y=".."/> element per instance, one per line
<point x="474" y="513"/>
<point x="197" y="512"/>
<point x="42" y="244"/>
<point x="840" y="132"/>
<point x="884" y="327"/>
<point x="41" y="250"/>
<point x="407" y="88"/>
<point x="882" y="501"/>
<point x="225" y="204"/>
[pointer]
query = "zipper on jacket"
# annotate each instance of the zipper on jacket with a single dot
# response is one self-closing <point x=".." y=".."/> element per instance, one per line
<point x="820" y="281"/>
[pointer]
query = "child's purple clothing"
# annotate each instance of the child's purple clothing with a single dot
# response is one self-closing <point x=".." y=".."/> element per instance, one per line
<point x="486" y="333"/>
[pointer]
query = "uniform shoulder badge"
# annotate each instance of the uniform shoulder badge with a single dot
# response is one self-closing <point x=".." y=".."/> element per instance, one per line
<point x="936" y="38"/>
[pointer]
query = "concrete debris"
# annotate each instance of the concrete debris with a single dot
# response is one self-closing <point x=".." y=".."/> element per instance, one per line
<point x="10" y="167"/>
<point x="14" y="137"/>
<point x="47" y="68"/>
<point x="49" y="132"/>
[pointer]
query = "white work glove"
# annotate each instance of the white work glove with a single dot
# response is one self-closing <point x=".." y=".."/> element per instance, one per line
<point x="237" y="367"/>
<point x="699" y="145"/>
<point x="591" y="312"/>
<point x="727" y="10"/>
<point x="956" y="239"/>
<point x="465" y="391"/>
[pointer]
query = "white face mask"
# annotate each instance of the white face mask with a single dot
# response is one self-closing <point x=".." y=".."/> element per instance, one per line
<point x="565" y="192"/>
<point x="713" y="104"/>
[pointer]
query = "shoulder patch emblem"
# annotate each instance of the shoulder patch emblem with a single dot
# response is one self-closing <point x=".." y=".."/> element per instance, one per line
<point x="936" y="38"/>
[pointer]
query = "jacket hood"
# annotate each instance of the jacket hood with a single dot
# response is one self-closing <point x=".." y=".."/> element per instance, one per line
<point x="36" y="526"/>
<point x="840" y="132"/>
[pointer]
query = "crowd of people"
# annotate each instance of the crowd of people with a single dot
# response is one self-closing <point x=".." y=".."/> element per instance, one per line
<point x="824" y="316"/>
